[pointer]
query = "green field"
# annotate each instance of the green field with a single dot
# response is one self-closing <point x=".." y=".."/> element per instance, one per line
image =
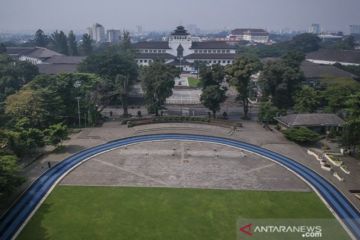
<point x="193" y="82"/>
<point x="161" y="213"/>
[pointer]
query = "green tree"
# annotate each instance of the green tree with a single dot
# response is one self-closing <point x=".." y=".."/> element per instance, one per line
<point x="24" y="142"/>
<point x="337" y="94"/>
<point x="86" y="45"/>
<point x="212" y="96"/>
<point x="279" y="82"/>
<point x="9" y="174"/>
<point x="301" y="135"/>
<point x="158" y="80"/>
<point x="268" y="112"/>
<point x="123" y="88"/>
<point x="59" y="95"/>
<point x="125" y="44"/>
<point x="41" y="40"/>
<point x="73" y="48"/>
<point x="213" y="75"/>
<point x="306" y="100"/>
<point x="14" y="74"/>
<point x="293" y="59"/>
<point x="26" y="71"/>
<point x="353" y="106"/>
<point x="2" y="48"/>
<point x="28" y="104"/>
<point x="59" y="42"/>
<point x="110" y="65"/>
<point x="56" y="133"/>
<point x="351" y="134"/>
<point x="306" y="42"/>
<point x="240" y="75"/>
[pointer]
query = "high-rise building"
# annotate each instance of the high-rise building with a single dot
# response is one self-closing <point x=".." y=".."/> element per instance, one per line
<point x="354" y="29"/>
<point x="97" y="33"/>
<point x="139" y="29"/>
<point x="113" y="35"/>
<point x="315" y="28"/>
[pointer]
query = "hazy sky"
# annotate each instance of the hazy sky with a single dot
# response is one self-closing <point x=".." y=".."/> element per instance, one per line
<point x="166" y="14"/>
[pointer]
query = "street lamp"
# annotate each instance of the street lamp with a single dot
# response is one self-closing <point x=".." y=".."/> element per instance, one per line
<point x="77" y="84"/>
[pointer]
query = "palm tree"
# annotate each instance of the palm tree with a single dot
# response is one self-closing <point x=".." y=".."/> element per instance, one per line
<point x="122" y="87"/>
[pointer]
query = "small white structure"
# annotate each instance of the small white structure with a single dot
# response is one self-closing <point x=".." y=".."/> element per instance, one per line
<point x="255" y="35"/>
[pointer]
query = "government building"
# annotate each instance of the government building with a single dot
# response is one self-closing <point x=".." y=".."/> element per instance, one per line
<point x="183" y="51"/>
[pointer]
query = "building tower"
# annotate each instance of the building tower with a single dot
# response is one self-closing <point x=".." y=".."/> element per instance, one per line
<point x="97" y="33"/>
<point x="315" y="28"/>
<point x="180" y="37"/>
<point x="113" y="35"/>
<point x="354" y="29"/>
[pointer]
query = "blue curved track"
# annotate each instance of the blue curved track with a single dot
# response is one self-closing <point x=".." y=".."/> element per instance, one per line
<point x="12" y="221"/>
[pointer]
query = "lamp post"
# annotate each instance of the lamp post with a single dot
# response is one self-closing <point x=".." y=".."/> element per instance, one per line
<point x="77" y="85"/>
<point x="78" y="104"/>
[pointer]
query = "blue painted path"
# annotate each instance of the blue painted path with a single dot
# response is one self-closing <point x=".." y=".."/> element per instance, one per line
<point x="16" y="216"/>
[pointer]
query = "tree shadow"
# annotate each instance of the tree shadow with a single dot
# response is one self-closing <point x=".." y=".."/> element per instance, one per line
<point x="35" y="229"/>
<point x="68" y="149"/>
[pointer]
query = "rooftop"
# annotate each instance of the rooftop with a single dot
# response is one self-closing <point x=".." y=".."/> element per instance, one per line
<point x="154" y="56"/>
<point x="35" y="52"/>
<point x="152" y="45"/>
<point x="212" y="45"/>
<point x="214" y="56"/>
<point x="314" y="71"/>
<point x="57" y="68"/>
<point x="335" y="55"/>
<point x="180" y="30"/>
<point x="65" y="59"/>
<point x="311" y="120"/>
<point x="251" y="31"/>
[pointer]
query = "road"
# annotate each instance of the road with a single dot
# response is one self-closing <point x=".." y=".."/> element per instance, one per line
<point x="13" y="221"/>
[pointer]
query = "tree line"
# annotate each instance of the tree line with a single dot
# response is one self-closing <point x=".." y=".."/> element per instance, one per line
<point x="65" y="44"/>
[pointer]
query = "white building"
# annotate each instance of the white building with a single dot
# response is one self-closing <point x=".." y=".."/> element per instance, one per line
<point x="180" y="50"/>
<point x="315" y="28"/>
<point x="249" y="34"/>
<point x="97" y="33"/>
<point x="354" y="29"/>
<point x="34" y="55"/>
<point x="113" y="36"/>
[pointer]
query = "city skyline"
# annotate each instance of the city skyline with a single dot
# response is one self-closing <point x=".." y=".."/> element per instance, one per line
<point x="161" y="15"/>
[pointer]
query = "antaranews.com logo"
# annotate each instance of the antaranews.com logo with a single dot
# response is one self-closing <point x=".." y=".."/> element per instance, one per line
<point x="253" y="229"/>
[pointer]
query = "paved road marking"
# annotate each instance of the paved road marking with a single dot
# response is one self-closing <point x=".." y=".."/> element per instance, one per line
<point x="132" y="172"/>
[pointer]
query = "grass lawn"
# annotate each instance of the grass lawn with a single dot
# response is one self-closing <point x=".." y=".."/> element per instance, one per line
<point x="161" y="213"/>
<point x="193" y="82"/>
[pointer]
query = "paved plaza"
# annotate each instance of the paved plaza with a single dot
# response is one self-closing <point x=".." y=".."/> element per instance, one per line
<point x="269" y="177"/>
<point x="184" y="96"/>
<point x="184" y="164"/>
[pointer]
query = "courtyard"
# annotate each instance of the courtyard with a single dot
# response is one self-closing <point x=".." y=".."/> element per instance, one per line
<point x="178" y="164"/>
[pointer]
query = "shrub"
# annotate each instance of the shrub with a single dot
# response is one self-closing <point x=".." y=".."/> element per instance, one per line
<point x="301" y="135"/>
<point x="123" y="122"/>
<point x="10" y="176"/>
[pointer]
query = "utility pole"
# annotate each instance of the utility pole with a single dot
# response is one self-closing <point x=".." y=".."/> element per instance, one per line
<point x="77" y="85"/>
<point x="78" y="104"/>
